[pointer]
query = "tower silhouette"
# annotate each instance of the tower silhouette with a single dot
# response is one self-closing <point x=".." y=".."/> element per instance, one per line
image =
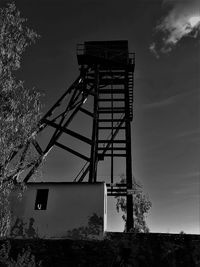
<point x="106" y="77"/>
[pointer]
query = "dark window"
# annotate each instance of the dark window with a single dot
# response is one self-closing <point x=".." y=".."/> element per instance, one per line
<point x="41" y="199"/>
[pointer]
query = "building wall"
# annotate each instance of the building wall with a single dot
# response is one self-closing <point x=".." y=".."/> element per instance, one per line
<point x="73" y="210"/>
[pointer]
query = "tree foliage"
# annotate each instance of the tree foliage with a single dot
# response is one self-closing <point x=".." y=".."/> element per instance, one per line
<point x="23" y="259"/>
<point x="93" y="229"/>
<point x="141" y="206"/>
<point x="15" y="36"/>
<point x="19" y="106"/>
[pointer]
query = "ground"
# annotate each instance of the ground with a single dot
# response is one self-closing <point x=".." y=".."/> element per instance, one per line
<point x="117" y="249"/>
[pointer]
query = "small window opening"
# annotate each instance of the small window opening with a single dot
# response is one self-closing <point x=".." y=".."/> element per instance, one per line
<point x="41" y="199"/>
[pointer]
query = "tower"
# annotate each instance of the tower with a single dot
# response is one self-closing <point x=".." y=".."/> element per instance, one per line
<point x="106" y="77"/>
<point x="112" y="76"/>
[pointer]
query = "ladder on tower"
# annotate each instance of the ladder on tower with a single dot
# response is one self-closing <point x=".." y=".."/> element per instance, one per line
<point x="131" y="97"/>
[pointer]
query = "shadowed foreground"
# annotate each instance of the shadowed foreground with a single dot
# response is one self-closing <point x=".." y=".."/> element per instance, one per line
<point x="117" y="249"/>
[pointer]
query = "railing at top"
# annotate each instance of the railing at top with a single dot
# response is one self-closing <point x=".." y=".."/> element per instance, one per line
<point x="108" y="53"/>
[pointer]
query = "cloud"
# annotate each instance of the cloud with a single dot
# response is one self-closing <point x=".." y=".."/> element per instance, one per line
<point x="190" y="133"/>
<point x="159" y="104"/>
<point x="152" y="48"/>
<point x="167" y="101"/>
<point x="183" y="19"/>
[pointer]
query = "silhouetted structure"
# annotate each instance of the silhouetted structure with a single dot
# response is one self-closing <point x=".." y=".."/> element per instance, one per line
<point x="106" y="75"/>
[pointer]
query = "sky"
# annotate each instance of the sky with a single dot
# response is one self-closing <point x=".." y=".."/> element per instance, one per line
<point x="165" y="130"/>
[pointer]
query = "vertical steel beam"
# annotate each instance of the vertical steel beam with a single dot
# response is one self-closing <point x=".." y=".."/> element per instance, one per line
<point x="129" y="198"/>
<point x="94" y="147"/>
<point x="112" y="132"/>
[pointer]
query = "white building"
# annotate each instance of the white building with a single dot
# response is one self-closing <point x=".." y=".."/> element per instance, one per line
<point x="60" y="210"/>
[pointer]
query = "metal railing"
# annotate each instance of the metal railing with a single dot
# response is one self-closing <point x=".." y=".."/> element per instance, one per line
<point x="108" y="53"/>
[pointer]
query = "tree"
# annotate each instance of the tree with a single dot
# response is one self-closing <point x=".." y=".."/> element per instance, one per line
<point x="141" y="206"/>
<point x="19" y="106"/>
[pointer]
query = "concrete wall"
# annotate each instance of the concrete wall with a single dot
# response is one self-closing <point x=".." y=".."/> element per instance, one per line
<point x="73" y="210"/>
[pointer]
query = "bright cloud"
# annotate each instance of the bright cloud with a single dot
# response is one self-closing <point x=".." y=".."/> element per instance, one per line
<point x="182" y="20"/>
<point x="194" y="21"/>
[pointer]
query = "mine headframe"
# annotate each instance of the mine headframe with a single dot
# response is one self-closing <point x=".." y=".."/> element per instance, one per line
<point x="106" y="76"/>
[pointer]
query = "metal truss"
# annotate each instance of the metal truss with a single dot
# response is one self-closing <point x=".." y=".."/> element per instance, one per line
<point x="110" y="84"/>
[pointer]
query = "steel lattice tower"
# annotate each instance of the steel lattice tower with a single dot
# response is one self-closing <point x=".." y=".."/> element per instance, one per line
<point x="106" y="75"/>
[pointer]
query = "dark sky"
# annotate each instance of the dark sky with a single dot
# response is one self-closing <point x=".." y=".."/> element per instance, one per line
<point x="165" y="131"/>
